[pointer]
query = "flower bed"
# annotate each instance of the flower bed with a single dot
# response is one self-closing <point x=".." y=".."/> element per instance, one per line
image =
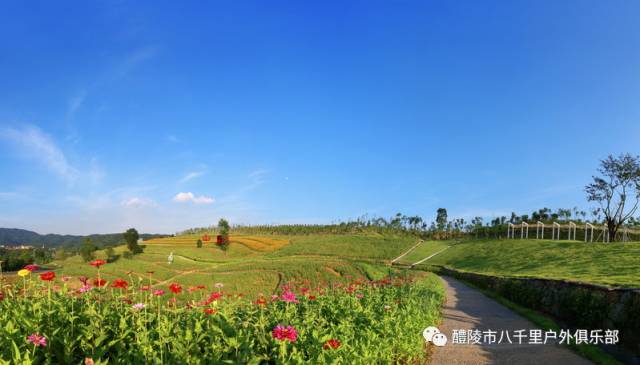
<point x="126" y="321"/>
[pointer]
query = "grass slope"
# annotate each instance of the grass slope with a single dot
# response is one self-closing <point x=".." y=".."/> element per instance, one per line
<point x="252" y="264"/>
<point x="613" y="264"/>
<point x="425" y="249"/>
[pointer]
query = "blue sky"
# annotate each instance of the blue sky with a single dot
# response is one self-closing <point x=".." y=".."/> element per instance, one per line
<point x="168" y="115"/>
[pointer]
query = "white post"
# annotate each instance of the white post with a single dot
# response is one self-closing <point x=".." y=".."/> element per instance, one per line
<point x="555" y="224"/>
<point x="586" y="231"/>
<point x="586" y="225"/>
<point x="522" y="230"/>
<point x="542" y="230"/>
<point x="572" y="227"/>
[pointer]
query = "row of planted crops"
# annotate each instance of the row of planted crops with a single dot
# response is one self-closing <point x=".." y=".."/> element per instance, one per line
<point x="79" y="320"/>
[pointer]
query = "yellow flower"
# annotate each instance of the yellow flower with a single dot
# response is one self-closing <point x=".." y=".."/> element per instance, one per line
<point x="24" y="272"/>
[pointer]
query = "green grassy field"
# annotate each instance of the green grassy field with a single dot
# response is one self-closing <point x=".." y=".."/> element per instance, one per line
<point x="252" y="264"/>
<point x="613" y="264"/>
<point x="424" y="250"/>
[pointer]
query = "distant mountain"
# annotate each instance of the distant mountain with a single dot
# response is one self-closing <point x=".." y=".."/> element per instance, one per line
<point x="15" y="236"/>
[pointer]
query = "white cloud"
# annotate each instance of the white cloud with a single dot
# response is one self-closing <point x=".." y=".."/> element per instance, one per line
<point x="75" y="102"/>
<point x="8" y="195"/>
<point x="171" y="138"/>
<point x="137" y="202"/>
<point x="191" y="176"/>
<point x="135" y="58"/>
<point x="189" y="197"/>
<point x="38" y="146"/>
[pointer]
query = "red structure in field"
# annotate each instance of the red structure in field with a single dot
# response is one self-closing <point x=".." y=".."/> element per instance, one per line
<point x="206" y="238"/>
<point x="219" y="240"/>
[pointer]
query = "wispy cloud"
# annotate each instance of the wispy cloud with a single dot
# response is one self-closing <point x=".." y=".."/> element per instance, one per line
<point x="75" y="102"/>
<point x="38" y="146"/>
<point x="190" y="176"/>
<point x="137" y="202"/>
<point x="135" y="58"/>
<point x="172" y="138"/>
<point x="8" y="195"/>
<point x="190" y="197"/>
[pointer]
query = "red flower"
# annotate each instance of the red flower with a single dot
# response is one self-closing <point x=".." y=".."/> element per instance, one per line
<point x="175" y="288"/>
<point x="312" y="297"/>
<point x="210" y="311"/>
<point x="99" y="282"/>
<point x="119" y="283"/>
<point x="261" y="301"/>
<point x="32" y="267"/>
<point x="97" y="263"/>
<point x="331" y="344"/>
<point x="282" y="333"/>
<point x="1" y="296"/>
<point x="48" y="276"/>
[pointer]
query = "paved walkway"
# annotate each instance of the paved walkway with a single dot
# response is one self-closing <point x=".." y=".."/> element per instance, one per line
<point x="467" y="308"/>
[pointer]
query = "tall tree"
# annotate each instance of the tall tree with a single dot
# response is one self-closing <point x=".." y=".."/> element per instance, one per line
<point x="223" y="227"/>
<point x="617" y="191"/>
<point x="131" y="237"/>
<point x="87" y="250"/>
<point x="441" y="218"/>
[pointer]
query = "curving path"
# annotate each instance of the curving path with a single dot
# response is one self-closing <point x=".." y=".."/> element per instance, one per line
<point x="468" y="309"/>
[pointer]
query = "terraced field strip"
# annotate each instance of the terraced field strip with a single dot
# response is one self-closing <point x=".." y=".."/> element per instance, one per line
<point x="261" y="244"/>
<point x="407" y="252"/>
<point x="428" y="257"/>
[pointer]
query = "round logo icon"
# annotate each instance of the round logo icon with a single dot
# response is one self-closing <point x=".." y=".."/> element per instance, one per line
<point x="439" y="339"/>
<point x="429" y="332"/>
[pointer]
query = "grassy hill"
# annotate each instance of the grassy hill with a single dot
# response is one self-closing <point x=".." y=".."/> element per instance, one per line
<point x="252" y="264"/>
<point x="15" y="236"/>
<point x="613" y="264"/>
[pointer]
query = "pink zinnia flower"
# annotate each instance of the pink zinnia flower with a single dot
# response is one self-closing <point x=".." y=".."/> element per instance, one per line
<point x="85" y="288"/>
<point x="289" y="297"/>
<point x="37" y="340"/>
<point x="83" y="279"/>
<point x="282" y="333"/>
<point x="158" y="292"/>
<point x="145" y="288"/>
<point x="138" y="306"/>
<point x="32" y="267"/>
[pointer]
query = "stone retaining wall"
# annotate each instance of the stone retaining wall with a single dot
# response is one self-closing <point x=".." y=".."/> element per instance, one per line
<point x="579" y="305"/>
